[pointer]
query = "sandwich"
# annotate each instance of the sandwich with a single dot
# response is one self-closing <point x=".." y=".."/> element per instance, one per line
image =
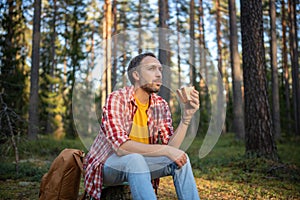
<point x="184" y="93"/>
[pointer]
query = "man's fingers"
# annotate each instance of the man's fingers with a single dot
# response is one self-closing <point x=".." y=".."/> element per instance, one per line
<point x="194" y="104"/>
<point x="181" y="161"/>
<point x="195" y="93"/>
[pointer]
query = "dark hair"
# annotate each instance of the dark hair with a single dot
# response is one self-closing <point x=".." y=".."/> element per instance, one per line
<point x="136" y="62"/>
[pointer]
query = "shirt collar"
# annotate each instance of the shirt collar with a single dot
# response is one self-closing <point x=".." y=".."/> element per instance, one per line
<point x="132" y="99"/>
<point x="131" y="94"/>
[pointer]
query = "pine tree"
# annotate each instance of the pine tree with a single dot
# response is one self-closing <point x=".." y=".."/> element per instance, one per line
<point x="275" y="84"/>
<point x="238" y="110"/>
<point x="14" y="45"/>
<point x="74" y="16"/>
<point x="286" y="76"/>
<point x="33" y="127"/>
<point x="259" y="131"/>
<point x="295" y="64"/>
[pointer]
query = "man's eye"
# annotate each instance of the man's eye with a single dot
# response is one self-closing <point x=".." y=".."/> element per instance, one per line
<point x="155" y="68"/>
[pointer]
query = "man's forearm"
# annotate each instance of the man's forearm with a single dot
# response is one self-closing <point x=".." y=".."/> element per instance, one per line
<point x="175" y="154"/>
<point x="131" y="146"/>
<point x="179" y="135"/>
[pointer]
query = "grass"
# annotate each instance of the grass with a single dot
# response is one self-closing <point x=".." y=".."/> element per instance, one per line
<point x="230" y="173"/>
<point x="35" y="160"/>
<point x="223" y="174"/>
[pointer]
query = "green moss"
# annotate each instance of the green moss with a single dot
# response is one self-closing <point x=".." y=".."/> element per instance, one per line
<point x="225" y="173"/>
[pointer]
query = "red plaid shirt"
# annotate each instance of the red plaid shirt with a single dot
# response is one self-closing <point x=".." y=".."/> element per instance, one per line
<point x="115" y="127"/>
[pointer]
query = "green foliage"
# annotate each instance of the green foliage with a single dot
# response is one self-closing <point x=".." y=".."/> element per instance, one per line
<point x="13" y="68"/>
<point x="225" y="173"/>
<point x="67" y="36"/>
<point x="63" y="45"/>
<point x="36" y="158"/>
<point x="45" y="147"/>
<point x="255" y="178"/>
<point x="27" y="171"/>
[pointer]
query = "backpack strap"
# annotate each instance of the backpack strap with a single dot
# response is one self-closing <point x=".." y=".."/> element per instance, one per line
<point x="78" y="156"/>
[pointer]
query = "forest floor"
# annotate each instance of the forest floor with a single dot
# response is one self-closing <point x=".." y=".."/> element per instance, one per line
<point x="225" y="173"/>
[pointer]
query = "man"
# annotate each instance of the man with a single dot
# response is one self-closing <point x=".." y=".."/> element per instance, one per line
<point x="136" y="142"/>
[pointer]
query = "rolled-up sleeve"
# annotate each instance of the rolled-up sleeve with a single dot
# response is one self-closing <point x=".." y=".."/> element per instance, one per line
<point x="113" y="121"/>
<point x="166" y="127"/>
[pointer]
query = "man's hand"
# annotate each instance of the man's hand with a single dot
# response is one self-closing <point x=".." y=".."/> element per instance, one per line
<point x="190" y="107"/>
<point x="189" y="101"/>
<point x="177" y="155"/>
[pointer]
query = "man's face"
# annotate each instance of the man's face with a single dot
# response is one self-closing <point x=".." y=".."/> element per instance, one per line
<point x="150" y="74"/>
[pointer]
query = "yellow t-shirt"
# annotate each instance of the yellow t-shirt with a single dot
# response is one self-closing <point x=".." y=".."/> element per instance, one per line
<point x="139" y="131"/>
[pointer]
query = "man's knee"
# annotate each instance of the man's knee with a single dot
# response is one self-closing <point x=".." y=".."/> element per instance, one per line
<point x="137" y="163"/>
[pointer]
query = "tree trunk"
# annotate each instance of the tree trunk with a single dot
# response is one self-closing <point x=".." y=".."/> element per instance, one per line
<point x="285" y="68"/>
<point x="203" y="61"/>
<point x="178" y="44"/>
<point x="164" y="54"/>
<point x="238" y="110"/>
<point x="139" y="26"/>
<point x="124" y="46"/>
<point x="119" y="192"/>
<point x="33" y="125"/>
<point x="49" y="127"/>
<point x="106" y="77"/>
<point x="219" y="41"/>
<point x="219" y="44"/>
<point x="259" y="134"/>
<point x="115" y="43"/>
<point x="192" y="44"/>
<point x="275" y="85"/>
<point x="295" y="64"/>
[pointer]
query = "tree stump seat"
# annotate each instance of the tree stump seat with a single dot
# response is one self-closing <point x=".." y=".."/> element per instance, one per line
<point x="118" y="192"/>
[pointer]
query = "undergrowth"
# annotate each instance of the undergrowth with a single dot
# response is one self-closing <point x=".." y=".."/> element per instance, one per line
<point x="254" y="178"/>
<point x="225" y="173"/>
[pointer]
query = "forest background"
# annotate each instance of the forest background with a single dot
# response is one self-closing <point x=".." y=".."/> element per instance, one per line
<point x="48" y="46"/>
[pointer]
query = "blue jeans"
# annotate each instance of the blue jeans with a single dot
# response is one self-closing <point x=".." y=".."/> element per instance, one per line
<point x="138" y="171"/>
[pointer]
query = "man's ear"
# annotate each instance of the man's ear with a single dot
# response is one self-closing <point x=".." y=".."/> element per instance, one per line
<point x="136" y="75"/>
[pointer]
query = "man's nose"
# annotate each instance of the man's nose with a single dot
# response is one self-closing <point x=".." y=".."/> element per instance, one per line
<point x="158" y="73"/>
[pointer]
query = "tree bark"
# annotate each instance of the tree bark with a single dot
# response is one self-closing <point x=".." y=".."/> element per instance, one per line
<point x="33" y="125"/>
<point x="192" y="44"/>
<point x="49" y="127"/>
<point x="164" y="52"/>
<point x="203" y="61"/>
<point x="178" y="44"/>
<point x="285" y="69"/>
<point x="259" y="132"/>
<point x="106" y="77"/>
<point x="115" y="43"/>
<point x="220" y="59"/>
<point x="275" y="85"/>
<point x="124" y="46"/>
<point x="219" y="33"/>
<point x="238" y="110"/>
<point x="139" y="26"/>
<point x="295" y="64"/>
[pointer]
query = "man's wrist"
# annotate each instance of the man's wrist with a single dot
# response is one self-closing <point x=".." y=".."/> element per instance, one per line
<point x="185" y="121"/>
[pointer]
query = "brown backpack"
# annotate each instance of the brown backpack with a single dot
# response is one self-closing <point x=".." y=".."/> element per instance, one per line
<point x="63" y="178"/>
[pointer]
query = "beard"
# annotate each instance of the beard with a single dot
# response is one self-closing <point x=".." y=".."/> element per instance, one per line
<point x="150" y="88"/>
